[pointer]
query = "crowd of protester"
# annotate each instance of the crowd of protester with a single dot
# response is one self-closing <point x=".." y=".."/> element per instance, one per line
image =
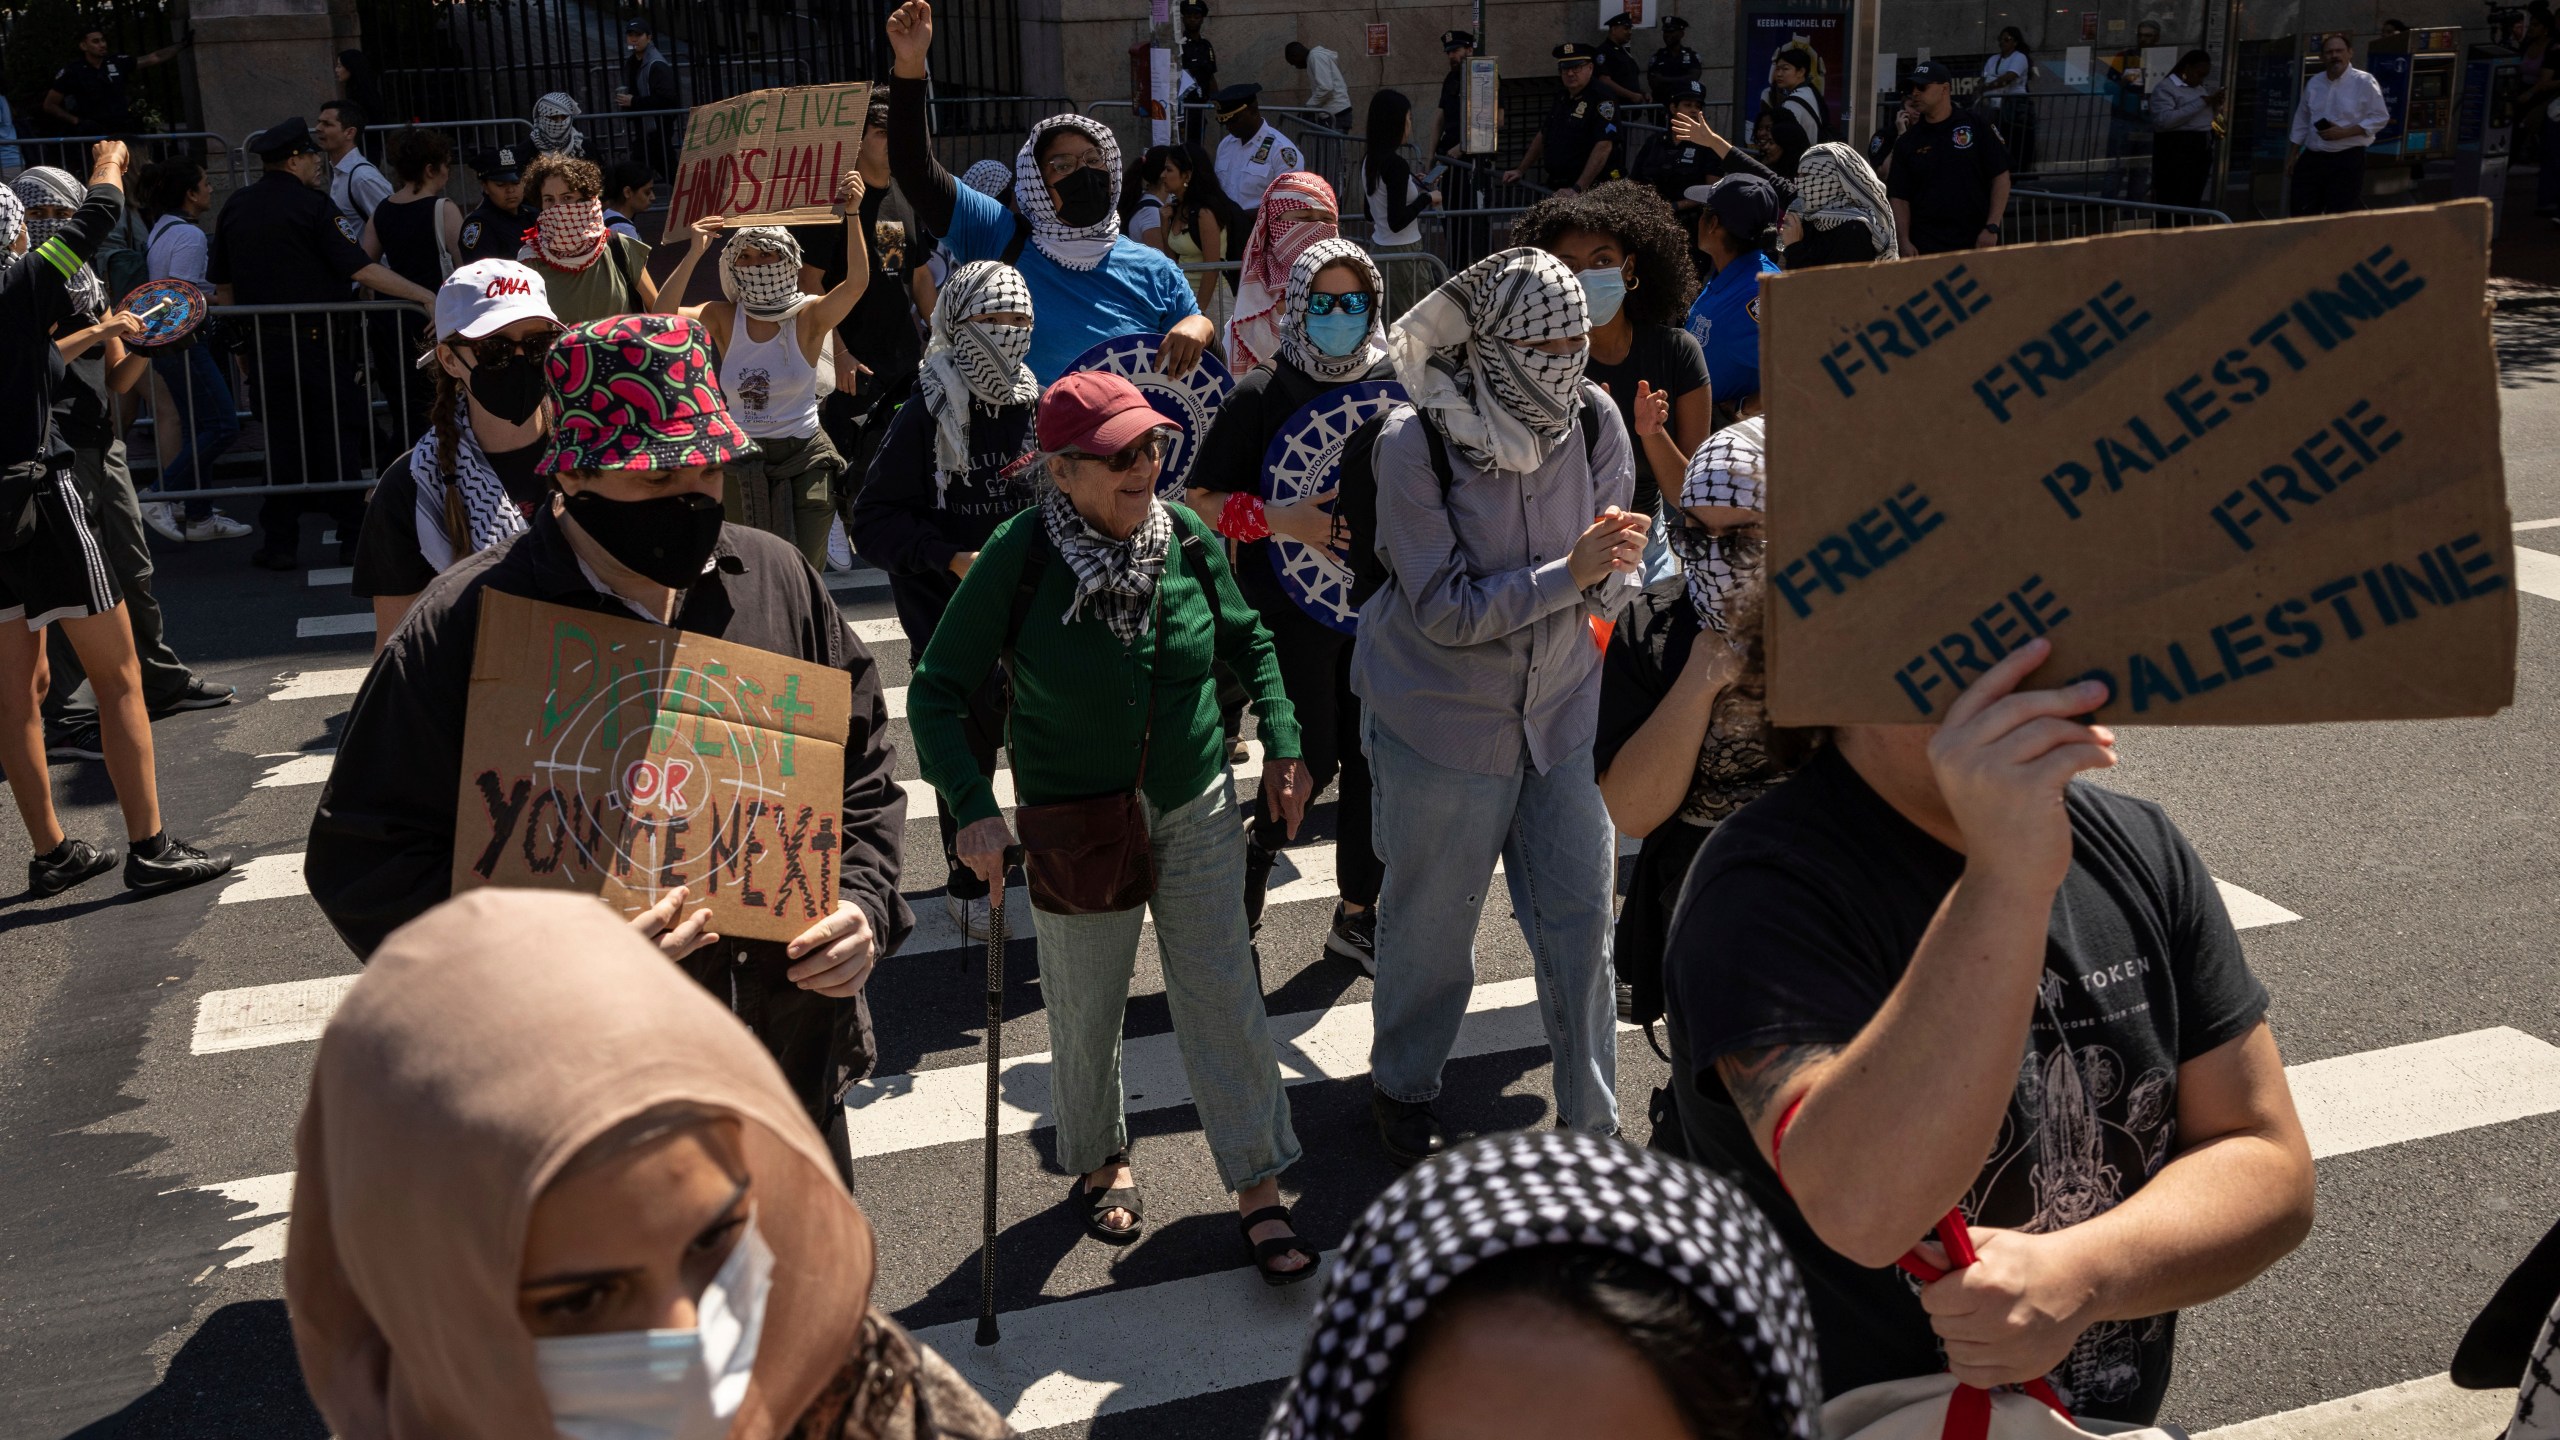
<point x="1554" y="545"/>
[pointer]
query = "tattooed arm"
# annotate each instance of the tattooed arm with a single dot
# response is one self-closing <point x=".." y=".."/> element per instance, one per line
<point x="1763" y="1083"/>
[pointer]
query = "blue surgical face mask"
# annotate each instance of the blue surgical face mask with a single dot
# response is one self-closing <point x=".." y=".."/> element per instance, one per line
<point x="1339" y="333"/>
<point x="1604" y="290"/>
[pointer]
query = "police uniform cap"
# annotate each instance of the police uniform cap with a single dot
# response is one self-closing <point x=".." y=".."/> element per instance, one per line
<point x="289" y="136"/>
<point x="1232" y="98"/>
<point x="503" y="164"/>
<point x="1929" y="72"/>
<point x="1195" y="7"/>
<point x="1674" y="25"/>
<point x="1689" y="90"/>
<point x="1574" y="52"/>
<point x="1453" y="39"/>
<point x="1621" y="18"/>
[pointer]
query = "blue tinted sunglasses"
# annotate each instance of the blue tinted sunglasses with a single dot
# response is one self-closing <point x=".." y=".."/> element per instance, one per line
<point x="1322" y="303"/>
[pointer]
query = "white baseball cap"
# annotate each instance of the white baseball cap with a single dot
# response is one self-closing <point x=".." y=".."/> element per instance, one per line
<point x="488" y="295"/>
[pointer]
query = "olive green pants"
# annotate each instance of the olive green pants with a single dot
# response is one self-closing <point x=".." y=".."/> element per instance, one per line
<point x="788" y="488"/>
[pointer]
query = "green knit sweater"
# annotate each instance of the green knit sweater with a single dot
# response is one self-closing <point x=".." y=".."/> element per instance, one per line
<point x="1081" y="697"/>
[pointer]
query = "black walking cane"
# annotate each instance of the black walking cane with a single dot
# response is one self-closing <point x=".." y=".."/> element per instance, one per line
<point x="987" y="1334"/>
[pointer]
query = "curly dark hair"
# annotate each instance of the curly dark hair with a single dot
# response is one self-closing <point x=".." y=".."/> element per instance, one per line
<point x="1642" y="223"/>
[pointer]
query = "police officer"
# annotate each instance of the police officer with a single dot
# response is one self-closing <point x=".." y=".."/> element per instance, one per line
<point x="1253" y="154"/>
<point x="1672" y="167"/>
<point x="1675" y="64"/>
<point x="1199" y="65"/>
<point x="1619" y="72"/>
<point x="1580" y="140"/>
<point x="1450" y="130"/>
<point x="279" y="244"/>
<point x="495" y="231"/>
<point x="1950" y="177"/>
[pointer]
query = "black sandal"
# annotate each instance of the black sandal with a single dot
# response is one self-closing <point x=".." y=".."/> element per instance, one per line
<point x="1096" y="1203"/>
<point x="1266" y="1251"/>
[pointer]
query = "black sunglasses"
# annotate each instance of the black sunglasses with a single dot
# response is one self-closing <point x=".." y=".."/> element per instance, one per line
<point x="497" y="349"/>
<point x="1128" y="457"/>
<point x="1325" y="303"/>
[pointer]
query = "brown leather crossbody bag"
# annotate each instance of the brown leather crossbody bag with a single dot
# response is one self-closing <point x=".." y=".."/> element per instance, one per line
<point x="1093" y="856"/>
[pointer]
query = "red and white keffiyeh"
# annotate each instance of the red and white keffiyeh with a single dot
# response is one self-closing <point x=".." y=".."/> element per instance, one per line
<point x="1262" y="287"/>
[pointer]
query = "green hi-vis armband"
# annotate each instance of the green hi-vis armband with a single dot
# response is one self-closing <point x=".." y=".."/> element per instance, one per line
<point x="62" y="257"/>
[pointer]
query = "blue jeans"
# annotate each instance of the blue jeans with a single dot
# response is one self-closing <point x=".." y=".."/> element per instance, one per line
<point x="1439" y="832"/>
<point x="204" y="402"/>
<point x="1210" y="984"/>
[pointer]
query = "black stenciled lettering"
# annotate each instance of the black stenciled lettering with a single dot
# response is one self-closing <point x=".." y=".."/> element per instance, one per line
<point x="2341" y="597"/>
<point x="2196" y="684"/>
<point x="2236" y="638"/>
<point x="1835" y="564"/>
<point x="2065" y="482"/>
<point x="1917" y="684"/>
<point x="1876" y="541"/>
<point x="2298" y="636"/>
<point x="2147" y="682"/>
<point x="2232" y="376"/>
<point x="2380" y="595"/>
<point x="505" y="808"/>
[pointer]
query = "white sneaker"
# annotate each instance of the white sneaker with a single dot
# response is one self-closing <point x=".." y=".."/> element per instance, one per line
<point x="974" y="917"/>
<point x="216" y="526"/>
<point x="839" y="548"/>
<point x="163" y="520"/>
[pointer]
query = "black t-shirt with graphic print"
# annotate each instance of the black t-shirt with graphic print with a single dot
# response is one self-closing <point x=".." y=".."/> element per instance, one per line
<point x="1801" y="915"/>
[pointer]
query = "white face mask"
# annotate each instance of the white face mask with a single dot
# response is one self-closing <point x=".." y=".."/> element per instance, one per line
<point x="665" y="1384"/>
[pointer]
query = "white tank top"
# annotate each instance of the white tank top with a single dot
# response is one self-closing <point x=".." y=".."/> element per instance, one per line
<point x="771" y="386"/>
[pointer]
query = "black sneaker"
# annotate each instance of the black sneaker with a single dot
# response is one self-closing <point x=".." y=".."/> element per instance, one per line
<point x="83" y="862"/>
<point x="178" y="865"/>
<point x="1355" y="937"/>
<point x="76" y="742"/>
<point x="1410" y="1133"/>
<point x="199" y="695"/>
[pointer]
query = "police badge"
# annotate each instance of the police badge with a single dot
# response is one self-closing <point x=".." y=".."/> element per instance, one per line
<point x="1963" y="137"/>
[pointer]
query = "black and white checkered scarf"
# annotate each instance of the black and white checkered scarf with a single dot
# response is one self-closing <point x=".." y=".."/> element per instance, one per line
<point x="46" y="185"/>
<point x="1729" y="469"/>
<point x="964" y="360"/>
<point x="1527" y="1190"/>
<point x="1073" y="248"/>
<point x="1835" y="186"/>
<point x="1118" y="577"/>
<point x="1459" y="355"/>
<point x="1294" y="344"/>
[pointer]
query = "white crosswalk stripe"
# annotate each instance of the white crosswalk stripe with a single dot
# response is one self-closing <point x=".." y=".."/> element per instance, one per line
<point x="326" y="575"/>
<point x="1205" y="1334"/>
<point x="320" y="627"/>
<point x="2538" y="572"/>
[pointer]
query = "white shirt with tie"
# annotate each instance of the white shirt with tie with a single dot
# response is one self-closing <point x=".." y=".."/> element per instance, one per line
<point x="2354" y="98"/>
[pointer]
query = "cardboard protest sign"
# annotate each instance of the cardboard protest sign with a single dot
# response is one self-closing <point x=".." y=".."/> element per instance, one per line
<point x="2247" y="474"/>
<point x="624" y="759"/>
<point x="769" y="157"/>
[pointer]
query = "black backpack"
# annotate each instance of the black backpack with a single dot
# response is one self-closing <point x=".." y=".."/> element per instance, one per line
<point x="1356" y="493"/>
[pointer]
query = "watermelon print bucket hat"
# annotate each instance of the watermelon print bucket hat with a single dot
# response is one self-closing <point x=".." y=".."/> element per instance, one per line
<point x="638" y="392"/>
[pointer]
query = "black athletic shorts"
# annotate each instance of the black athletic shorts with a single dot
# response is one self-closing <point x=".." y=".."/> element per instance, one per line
<point x="61" y="572"/>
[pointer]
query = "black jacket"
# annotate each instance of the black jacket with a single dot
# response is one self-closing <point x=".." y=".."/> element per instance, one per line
<point x="381" y="847"/>
<point x="909" y="522"/>
<point x="34" y="300"/>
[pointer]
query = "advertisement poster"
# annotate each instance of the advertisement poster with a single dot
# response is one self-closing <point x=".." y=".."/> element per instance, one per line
<point x="1825" y="33"/>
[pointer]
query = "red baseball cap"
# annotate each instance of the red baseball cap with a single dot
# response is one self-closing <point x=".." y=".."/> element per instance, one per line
<point x="1098" y="413"/>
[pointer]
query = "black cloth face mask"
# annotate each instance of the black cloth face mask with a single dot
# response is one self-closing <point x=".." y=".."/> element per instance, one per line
<point x="510" y="389"/>
<point x="668" y="538"/>
<point x="1084" y="198"/>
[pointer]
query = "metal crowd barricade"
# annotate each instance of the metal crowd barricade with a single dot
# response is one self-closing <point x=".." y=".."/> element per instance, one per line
<point x="2037" y="215"/>
<point x="71" y="152"/>
<point x="321" y="399"/>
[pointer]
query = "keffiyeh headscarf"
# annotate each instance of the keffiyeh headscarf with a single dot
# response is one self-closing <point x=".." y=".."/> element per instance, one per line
<point x="1294" y="344"/>
<point x="1835" y="186"/>
<point x="1117" y="576"/>
<point x="553" y="134"/>
<point x="45" y="185"/>
<point x="770" y="291"/>
<point x="988" y="178"/>
<point x="569" y="235"/>
<point x="13" y="218"/>
<point x="1502" y="406"/>
<point x="1074" y="247"/>
<point x="965" y="360"/>
<point x="1527" y="1191"/>
<point x="489" y="512"/>
<point x="1253" y="336"/>
<point x="1729" y="469"/>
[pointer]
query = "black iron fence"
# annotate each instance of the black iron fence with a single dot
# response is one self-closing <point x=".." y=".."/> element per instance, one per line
<point x="495" y="57"/>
